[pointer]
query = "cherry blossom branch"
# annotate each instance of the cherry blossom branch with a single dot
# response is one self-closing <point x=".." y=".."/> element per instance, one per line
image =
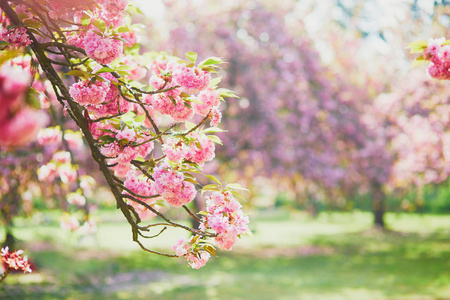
<point x="3" y="276"/>
<point x="54" y="78"/>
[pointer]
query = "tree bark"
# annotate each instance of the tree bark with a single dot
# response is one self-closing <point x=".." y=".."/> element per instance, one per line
<point x="378" y="206"/>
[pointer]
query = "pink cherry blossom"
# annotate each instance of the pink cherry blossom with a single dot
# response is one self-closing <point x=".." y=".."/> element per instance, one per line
<point x="181" y="247"/>
<point x="50" y="136"/>
<point x="70" y="223"/>
<point x="76" y="199"/>
<point x="201" y="151"/>
<point x="165" y="105"/>
<point x="102" y="49"/>
<point x="209" y="99"/>
<point x="196" y="261"/>
<point x="175" y="149"/>
<point x="216" y="116"/>
<point x="172" y="187"/>
<point x="61" y="157"/>
<point x="22" y="128"/>
<point x="16" y="36"/>
<point x="47" y="172"/>
<point x="191" y="80"/>
<point x="88" y="92"/>
<point x="15" y="260"/>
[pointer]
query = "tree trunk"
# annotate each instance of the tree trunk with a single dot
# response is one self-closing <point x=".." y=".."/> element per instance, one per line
<point x="10" y="240"/>
<point x="378" y="206"/>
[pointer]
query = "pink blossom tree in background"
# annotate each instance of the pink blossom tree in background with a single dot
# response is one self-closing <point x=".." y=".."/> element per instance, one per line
<point x="318" y="126"/>
<point x="288" y="104"/>
<point x="87" y="66"/>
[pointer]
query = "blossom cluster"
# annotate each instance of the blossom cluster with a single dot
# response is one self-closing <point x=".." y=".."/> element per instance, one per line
<point x="224" y="217"/>
<point x="60" y="167"/>
<point x="181" y="81"/>
<point x="126" y="146"/>
<point x="70" y="223"/>
<point x="16" y="36"/>
<point x="172" y="187"/>
<point x="98" y="39"/>
<point x="15" y="260"/>
<point x="437" y="53"/>
<point x="100" y="97"/>
<point x="195" y="256"/>
<point x="142" y="186"/>
<point x="196" y="148"/>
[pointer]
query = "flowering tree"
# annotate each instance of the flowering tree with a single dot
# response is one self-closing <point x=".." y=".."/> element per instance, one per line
<point x="139" y="134"/>
<point x="321" y="127"/>
<point x="314" y="123"/>
<point x="290" y="108"/>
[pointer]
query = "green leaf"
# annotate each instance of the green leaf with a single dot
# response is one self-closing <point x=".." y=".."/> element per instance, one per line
<point x="133" y="9"/>
<point x="140" y="119"/>
<point x="211" y="61"/>
<point x="191" y="56"/>
<point x="202" y="213"/>
<point x="85" y="20"/>
<point x="419" y="61"/>
<point x="174" y="102"/>
<point x="100" y="24"/>
<point x="418" y="46"/>
<point x="189" y="125"/>
<point x="210" y="249"/>
<point x="215" y="81"/>
<point x="104" y="70"/>
<point x="140" y="159"/>
<point x="78" y="73"/>
<point x="122" y="29"/>
<point x="238" y="196"/>
<point x="9" y="54"/>
<point x="123" y="73"/>
<point x="192" y="100"/>
<point x="124" y="68"/>
<point x="128" y="117"/>
<point x="209" y="69"/>
<point x="22" y="16"/>
<point x="227" y="93"/>
<point x="215" y="139"/>
<point x="191" y="180"/>
<point x="210" y="187"/>
<point x="36" y="32"/>
<point x="214" y="130"/>
<point x="31" y="23"/>
<point x="107" y="139"/>
<point x="214" y="178"/>
<point x="236" y="186"/>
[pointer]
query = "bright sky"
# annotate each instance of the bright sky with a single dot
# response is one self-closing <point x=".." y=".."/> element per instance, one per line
<point x="152" y="8"/>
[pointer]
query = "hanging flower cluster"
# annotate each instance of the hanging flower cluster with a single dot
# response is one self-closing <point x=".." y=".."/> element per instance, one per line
<point x="437" y="53"/>
<point x="15" y="260"/>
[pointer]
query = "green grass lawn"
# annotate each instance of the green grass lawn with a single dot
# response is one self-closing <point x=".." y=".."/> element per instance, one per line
<point x="290" y="256"/>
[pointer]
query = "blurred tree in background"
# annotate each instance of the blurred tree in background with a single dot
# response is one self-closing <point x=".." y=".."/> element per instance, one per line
<point x="317" y="113"/>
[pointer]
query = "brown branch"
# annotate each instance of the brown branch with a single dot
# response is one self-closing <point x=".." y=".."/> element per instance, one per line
<point x="198" y="125"/>
<point x="191" y="213"/>
<point x="3" y="276"/>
